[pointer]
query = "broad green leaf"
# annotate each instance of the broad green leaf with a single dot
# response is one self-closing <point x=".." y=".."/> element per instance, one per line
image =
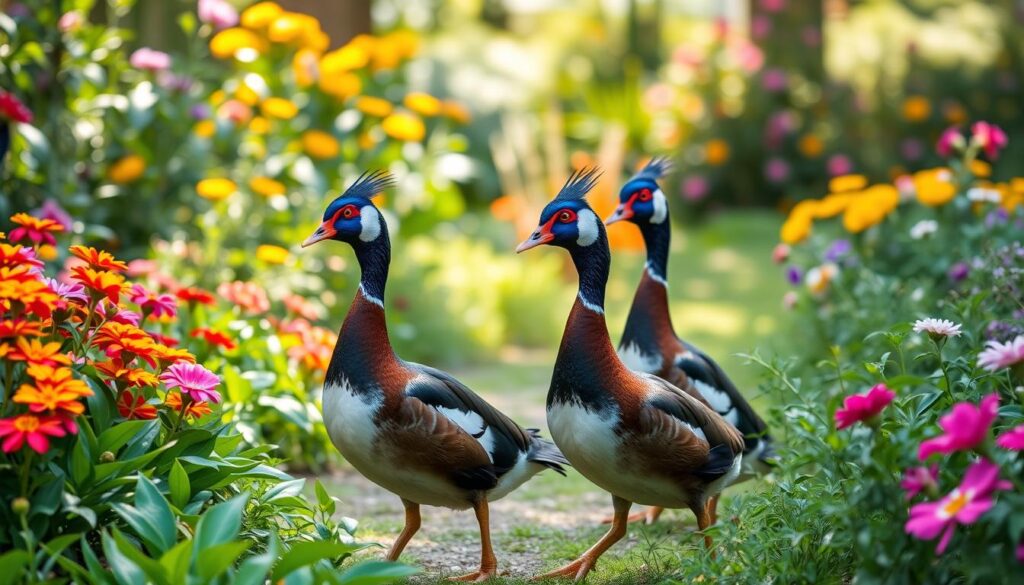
<point x="125" y="571"/>
<point x="376" y="573"/>
<point x="118" y="435"/>
<point x="255" y="569"/>
<point x="11" y="564"/>
<point x="181" y="491"/>
<point x="303" y="554"/>
<point x="151" y="517"/>
<point x="81" y="463"/>
<point x="176" y="562"/>
<point x="220" y="523"/>
<point x="213" y="561"/>
<point x="153" y="569"/>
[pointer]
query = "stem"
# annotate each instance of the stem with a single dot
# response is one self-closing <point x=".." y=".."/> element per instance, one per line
<point x="8" y="384"/>
<point x="945" y="371"/>
<point x="25" y="469"/>
<point x="186" y="401"/>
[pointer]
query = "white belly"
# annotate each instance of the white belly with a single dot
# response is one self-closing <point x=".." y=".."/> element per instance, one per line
<point x="350" y="421"/>
<point x="589" y="442"/>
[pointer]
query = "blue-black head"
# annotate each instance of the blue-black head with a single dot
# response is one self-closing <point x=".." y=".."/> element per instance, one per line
<point x="352" y="217"/>
<point x="641" y="200"/>
<point x="568" y="221"/>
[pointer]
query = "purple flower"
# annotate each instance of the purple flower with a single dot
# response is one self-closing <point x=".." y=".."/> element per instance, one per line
<point x="150" y="60"/>
<point x="794" y="276"/>
<point x="695" y="188"/>
<point x="839" y="164"/>
<point x="218" y="13"/>
<point x="811" y="36"/>
<point x="193" y="380"/>
<point x="68" y="290"/>
<point x="959" y="271"/>
<point x="776" y="170"/>
<point x="173" y="82"/>
<point x="50" y="209"/>
<point x="200" y="112"/>
<point x="837" y="250"/>
<point x="774" y="80"/>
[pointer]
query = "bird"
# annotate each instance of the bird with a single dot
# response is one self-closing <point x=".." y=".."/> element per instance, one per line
<point x="649" y="342"/>
<point x="633" y="434"/>
<point x="414" y="430"/>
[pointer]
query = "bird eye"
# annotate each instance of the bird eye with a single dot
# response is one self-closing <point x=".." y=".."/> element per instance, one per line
<point x="349" y="211"/>
<point x="566" y="216"/>
<point x="645" y="194"/>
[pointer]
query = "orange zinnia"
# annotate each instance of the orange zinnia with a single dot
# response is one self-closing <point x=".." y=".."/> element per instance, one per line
<point x="56" y="389"/>
<point x="100" y="284"/>
<point x="19" y="285"/>
<point x="115" y="339"/>
<point x="171" y="355"/>
<point x="17" y="255"/>
<point x="194" y="409"/>
<point x="115" y="370"/>
<point x="98" y="259"/>
<point x="20" y="328"/>
<point x="134" y="407"/>
<point x="34" y="351"/>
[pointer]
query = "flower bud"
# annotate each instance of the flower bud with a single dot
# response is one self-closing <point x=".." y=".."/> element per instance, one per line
<point x="20" y="506"/>
<point x="107" y="457"/>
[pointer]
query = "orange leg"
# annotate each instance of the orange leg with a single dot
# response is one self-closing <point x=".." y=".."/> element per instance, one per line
<point x="703" y="515"/>
<point x="648" y="516"/>
<point x="488" y="562"/>
<point x="412" y="524"/>
<point x="713" y="509"/>
<point x="579" y="568"/>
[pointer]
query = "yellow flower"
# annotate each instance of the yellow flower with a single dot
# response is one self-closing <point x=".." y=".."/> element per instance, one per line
<point x="847" y="183"/>
<point x="373" y="106"/>
<point x="387" y="53"/>
<point x="456" y="112"/>
<point x="247" y="95"/>
<point x="271" y="254"/>
<point x="405" y="42"/>
<point x="934" y="187"/>
<point x="811" y="146"/>
<point x="127" y="169"/>
<point x="319" y="144"/>
<point x="46" y="253"/>
<point x="261" y="14"/>
<point x="423" y="104"/>
<point x="870" y="207"/>
<point x="980" y="168"/>
<point x="280" y="108"/>
<point x="205" y="128"/>
<point x="286" y="28"/>
<point x="716" y="151"/>
<point x="228" y="42"/>
<point x="216" y="189"/>
<point x="306" y="67"/>
<point x="366" y="141"/>
<point x="404" y="126"/>
<point x="795" y="229"/>
<point x="832" y="205"/>
<point x="341" y="86"/>
<point x="259" y="125"/>
<point x="266" y="186"/>
<point x="916" y="108"/>
<point x="354" y="55"/>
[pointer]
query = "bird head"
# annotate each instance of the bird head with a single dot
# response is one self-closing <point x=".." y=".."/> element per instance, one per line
<point x="352" y="217"/>
<point x="568" y="221"/>
<point x="641" y="200"/>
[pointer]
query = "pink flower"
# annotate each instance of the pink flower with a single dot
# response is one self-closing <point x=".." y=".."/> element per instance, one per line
<point x="1012" y="439"/>
<point x="781" y="253"/>
<point x="839" y="164"/>
<point x="1002" y="355"/>
<point x="68" y="290"/>
<point x="111" y="312"/>
<point x="70" y="21"/>
<point x="695" y="188"/>
<point x="142" y="267"/>
<point x="156" y="304"/>
<point x="193" y="380"/>
<point x="950" y="141"/>
<point x="966" y="427"/>
<point x="150" y="60"/>
<point x="776" y="170"/>
<point x="918" y="479"/>
<point x="12" y="109"/>
<point x="964" y="505"/>
<point x="50" y="209"/>
<point x="33" y="429"/>
<point x="1020" y="553"/>
<point x="218" y="13"/>
<point x="860" y="407"/>
<point x="989" y="137"/>
<point x="774" y="80"/>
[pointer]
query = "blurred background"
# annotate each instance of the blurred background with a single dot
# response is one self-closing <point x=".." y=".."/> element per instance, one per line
<point x="207" y="139"/>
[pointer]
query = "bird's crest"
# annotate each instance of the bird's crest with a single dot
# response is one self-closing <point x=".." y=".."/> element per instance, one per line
<point x="657" y="168"/>
<point x="578" y="184"/>
<point x="369" y="184"/>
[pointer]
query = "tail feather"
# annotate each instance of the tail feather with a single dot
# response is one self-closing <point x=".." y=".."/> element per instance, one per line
<point x="720" y="461"/>
<point x="546" y="453"/>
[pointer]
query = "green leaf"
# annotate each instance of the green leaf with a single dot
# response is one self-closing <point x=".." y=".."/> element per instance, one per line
<point x="125" y="571"/>
<point x="255" y="569"/>
<point x="220" y="523"/>
<point x="11" y="564"/>
<point x="239" y="390"/>
<point x="303" y="554"/>
<point x="177" y="562"/>
<point x="151" y="517"/>
<point x="376" y="572"/>
<point x="153" y="569"/>
<point x="118" y="435"/>
<point x="181" y="491"/>
<point x="213" y="561"/>
<point x="81" y="463"/>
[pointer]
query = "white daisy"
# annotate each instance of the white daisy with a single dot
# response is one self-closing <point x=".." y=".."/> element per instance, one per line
<point x="984" y="195"/>
<point x="924" y="228"/>
<point x="937" y="327"/>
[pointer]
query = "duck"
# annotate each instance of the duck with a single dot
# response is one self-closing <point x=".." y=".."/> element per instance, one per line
<point x="633" y="434"/>
<point x="414" y="430"/>
<point x="649" y="342"/>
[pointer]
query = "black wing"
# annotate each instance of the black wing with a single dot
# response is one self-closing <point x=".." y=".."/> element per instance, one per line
<point x="502" y="438"/>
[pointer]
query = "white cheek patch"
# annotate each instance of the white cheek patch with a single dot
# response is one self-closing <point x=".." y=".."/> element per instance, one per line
<point x="660" y="207"/>
<point x="369" y="219"/>
<point x="586" y="222"/>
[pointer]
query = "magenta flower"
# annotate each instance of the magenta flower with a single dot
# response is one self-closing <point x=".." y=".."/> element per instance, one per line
<point x="989" y="137"/>
<point x="150" y="60"/>
<point x="71" y="291"/>
<point x="918" y="479"/>
<point x="950" y="141"/>
<point x="695" y="188"/>
<point x="839" y="164"/>
<point x="219" y="13"/>
<point x="966" y="427"/>
<point x="52" y="210"/>
<point x="193" y="380"/>
<point x="964" y="505"/>
<point x="1012" y="439"/>
<point x="862" y="407"/>
<point x="776" y="170"/>
<point x="111" y="312"/>
<point x="1002" y="355"/>
<point x="156" y="304"/>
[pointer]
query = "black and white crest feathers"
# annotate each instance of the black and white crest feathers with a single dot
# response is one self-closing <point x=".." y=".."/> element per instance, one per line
<point x="656" y="169"/>
<point x="578" y="184"/>
<point x="369" y="184"/>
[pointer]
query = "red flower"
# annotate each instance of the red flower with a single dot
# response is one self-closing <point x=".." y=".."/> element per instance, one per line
<point x="38" y="231"/>
<point x="860" y="407"/>
<point x="192" y="294"/>
<point x="12" y="108"/>
<point x="134" y="407"/>
<point x="214" y="337"/>
<point x="32" y="429"/>
<point x="247" y="295"/>
<point x="98" y="259"/>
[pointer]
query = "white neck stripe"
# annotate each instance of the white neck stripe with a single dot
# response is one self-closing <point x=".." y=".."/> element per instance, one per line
<point x="655" y="276"/>
<point x="589" y="305"/>
<point x="370" y="297"/>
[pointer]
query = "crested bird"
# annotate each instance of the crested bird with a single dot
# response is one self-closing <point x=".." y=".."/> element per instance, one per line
<point x="633" y="434"/>
<point x="649" y="342"/>
<point x="414" y="430"/>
